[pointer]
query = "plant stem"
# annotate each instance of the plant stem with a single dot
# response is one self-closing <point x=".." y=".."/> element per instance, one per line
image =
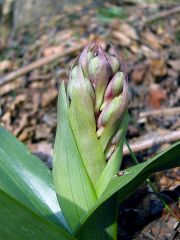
<point x="148" y="181"/>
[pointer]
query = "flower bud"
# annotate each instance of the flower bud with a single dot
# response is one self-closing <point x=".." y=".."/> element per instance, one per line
<point x="110" y="111"/>
<point x="85" y="57"/>
<point x="72" y="80"/>
<point x="114" y="88"/>
<point x="99" y="73"/>
<point x="114" y="64"/>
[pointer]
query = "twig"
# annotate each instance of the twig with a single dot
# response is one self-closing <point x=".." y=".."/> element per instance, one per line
<point x="149" y="143"/>
<point x="161" y="112"/>
<point x="39" y="63"/>
<point x="160" y="15"/>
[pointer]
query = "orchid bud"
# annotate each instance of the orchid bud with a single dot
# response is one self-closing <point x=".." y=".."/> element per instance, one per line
<point x="109" y="112"/>
<point x="85" y="57"/>
<point x="102" y="89"/>
<point x="99" y="73"/>
<point x="114" y="64"/>
<point x="114" y="88"/>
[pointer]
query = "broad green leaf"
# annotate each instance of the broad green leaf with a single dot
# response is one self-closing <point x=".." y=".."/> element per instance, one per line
<point x="19" y="222"/>
<point x="25" y="178"/>
<point x="74" y="189"/>
<point x="125" y="185"/>
<point x="114" y="162"/>
<point x="103" y="224"/>
<point x="87" y="142"/>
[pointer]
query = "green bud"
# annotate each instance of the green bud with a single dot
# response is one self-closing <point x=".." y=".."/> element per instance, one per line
<point x="99" y="72"/>
<point x="114" y="64"/>
<point x="110" y="111"/>
<point x="85" y="58"/>
<point x="72" y="81"/>
<point x="114" y="88"/>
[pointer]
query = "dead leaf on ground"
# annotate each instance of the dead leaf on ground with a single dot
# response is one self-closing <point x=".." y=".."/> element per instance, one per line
<point x="12" y="86"/>
<point x="129" y="31"/>
<point x="156" y="96"/>
<point x="27" y="133"/>
<point x="123" y="39"/>
<point x="138" y="74"/>
<point x="152" y="40"/>
<point x="42" y="131"/>
<point x="5" y="65"/>
<point x="175" y="64"/>
<point x="49" y="96"/>
<point x="148" y="52"/>
<point x="158" y="67"/>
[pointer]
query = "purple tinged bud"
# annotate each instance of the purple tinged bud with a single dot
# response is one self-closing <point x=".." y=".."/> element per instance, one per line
<point x="102" y="86"/>
<point x="114" y="64"/>
<point x="90" y="89"/>
<point x="85" y="57"/>
<point x="114" y="88"/>
<point x="99" y="73"/>
<point x="110" y="111"/>
<point x="112" y="114"/>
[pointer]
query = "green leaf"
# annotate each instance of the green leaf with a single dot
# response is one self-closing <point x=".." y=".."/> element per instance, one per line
<point x="125" y="185"/>
<point x="103" y="224"/>
<point x="19" y="222"/>
<point x="89" y="147"/>
<point x="25" y="178"/>
<point x="108" y="14"/>
<point x="74" y="189"/>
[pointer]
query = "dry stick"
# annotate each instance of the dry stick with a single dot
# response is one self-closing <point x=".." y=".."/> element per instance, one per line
<point x="37" y="64"/>
<point x="160" y="15"/>
<point x="149" y="143"/>
<point x="161" y="112"/>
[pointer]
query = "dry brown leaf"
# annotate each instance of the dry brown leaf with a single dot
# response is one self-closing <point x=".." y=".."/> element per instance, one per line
<point x="42" y="131"/>
<point x="6" y="117"/>
<point x="123" y="39"/>
<point x="129" y="31"/>
<point x="43" y="147"/>
<point x="22" y="124"/>
<point x="49" y="96"/>
<point x="138" y="74"/>
<point x="158" y="67"/>
<point x="134" y="48"/>
<point x="27" y="133"/>
<point x="148" y="52"/>
<point x="5" y="65"/>
<point x="156" y="96"/>
<point x="175" y="64"/>
<point x="152" y="40"/>
<point x="12" y="86"/>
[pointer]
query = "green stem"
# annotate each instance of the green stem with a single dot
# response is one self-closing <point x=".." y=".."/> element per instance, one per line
<point x="148" y="181"/>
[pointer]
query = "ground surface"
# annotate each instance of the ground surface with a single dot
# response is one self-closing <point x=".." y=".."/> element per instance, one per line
<point x="148" y="38"/>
